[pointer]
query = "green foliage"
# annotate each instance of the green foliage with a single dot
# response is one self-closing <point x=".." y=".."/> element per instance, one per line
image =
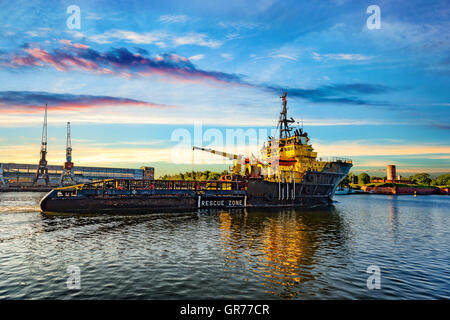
<point x="196" y="175"/>
<point x="345" y="182"/>
<point x="442" y="180"/>
<point x="421" y="178"/>
<point x="364" y="178"/>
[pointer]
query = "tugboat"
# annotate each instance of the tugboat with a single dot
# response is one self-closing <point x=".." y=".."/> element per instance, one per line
<point x="289" y="174"/>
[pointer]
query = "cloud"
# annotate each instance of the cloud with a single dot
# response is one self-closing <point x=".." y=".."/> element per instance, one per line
<point x="93" y="16"/>
<point x="340" y="56"/>
<point x="39" y="32"/>
<point x="284" y="56"/>
<point x="193" y="38"/>
<point x="227" y="56"/>
<point x="239" y="25"/>
<point x="444" y="126"/>
<point x="196" y="57"/>
<point x="34" y="101"/>
<point x="127" y="36"/>
<point x="173" y="18"/>
<point x="278" y="54"/>
<point x="158" y="38"/>
<point x="337" y="93"/>
<point x="122" y="62"/>
<point x="76" y="45"/>
<point x="427" y="37"/>
<point x="117" y="61"/>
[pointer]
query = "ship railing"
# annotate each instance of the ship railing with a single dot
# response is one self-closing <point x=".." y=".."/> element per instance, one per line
<point x="124" y="184"/>
<point x="334" y="159"/>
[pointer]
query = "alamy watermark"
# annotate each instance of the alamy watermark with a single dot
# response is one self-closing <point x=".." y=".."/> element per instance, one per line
<point x="374" y="280"/>
<point x="74" y="20"/>
<point x="74" y="279"/>
<point x="237" y="141"/>
<point x="374" y="20"/>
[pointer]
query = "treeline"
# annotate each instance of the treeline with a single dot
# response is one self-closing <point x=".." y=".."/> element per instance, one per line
<point x="419" y="178"/>
<point x="196" y="175"/>
<point x="425" y="178"/>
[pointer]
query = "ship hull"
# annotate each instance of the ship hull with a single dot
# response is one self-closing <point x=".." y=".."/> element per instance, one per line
<point x="317" y="188"/>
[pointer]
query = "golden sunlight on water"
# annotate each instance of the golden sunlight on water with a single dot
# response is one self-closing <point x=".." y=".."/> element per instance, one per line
<point x="279" y="248"/>
<point x="235" y="254"/>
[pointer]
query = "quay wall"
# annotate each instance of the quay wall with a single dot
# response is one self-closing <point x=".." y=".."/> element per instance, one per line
<point x="405" y="190"/>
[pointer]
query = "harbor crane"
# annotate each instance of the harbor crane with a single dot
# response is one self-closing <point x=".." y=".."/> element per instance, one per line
<point x="238" y="159"/>
<point x="252" y="168"/>
<point x="2" y="179"/>
<point x="42" y="170"/>
<point x="67" y="174"/>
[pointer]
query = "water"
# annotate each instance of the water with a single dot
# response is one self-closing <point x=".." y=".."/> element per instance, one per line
<point x="253" y="254"/>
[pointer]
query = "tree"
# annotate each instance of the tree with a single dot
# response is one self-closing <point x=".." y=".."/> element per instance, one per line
<point x="345" y="182"/>
<point x="421" y="178"/>
<point x="443" y="180"/>
<point x="364" y="178"/>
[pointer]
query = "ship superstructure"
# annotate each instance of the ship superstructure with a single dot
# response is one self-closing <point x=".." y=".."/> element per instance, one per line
<point x="290" y="155"/>
<point x="285" y="158"/>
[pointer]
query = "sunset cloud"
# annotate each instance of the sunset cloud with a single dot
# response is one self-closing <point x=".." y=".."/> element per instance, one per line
<point x="34" y="102"/>
<point x="117" y="61"/>
<point x="124" y="63"/>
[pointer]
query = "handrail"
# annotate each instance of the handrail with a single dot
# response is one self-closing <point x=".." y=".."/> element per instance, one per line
<point x="124" y="184"/>
<point x="335" y="159"/>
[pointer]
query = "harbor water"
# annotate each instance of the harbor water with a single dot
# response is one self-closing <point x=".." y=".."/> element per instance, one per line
<point x="244" y="254"/>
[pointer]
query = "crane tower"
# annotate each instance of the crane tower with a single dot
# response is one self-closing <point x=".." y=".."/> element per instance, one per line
<point x="42" y="170"/>
<point x="67" y="174"/>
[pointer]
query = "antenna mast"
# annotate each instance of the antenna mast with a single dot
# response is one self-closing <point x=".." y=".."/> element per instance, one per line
<point x="67" y="174"/>
<point x="285" y="130"/>
<point x="42" y="171"/>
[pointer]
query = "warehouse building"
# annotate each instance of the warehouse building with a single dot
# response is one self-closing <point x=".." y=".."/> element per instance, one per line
<point x="23" y="174"/>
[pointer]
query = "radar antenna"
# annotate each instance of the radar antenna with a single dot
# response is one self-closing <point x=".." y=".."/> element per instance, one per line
<point x="285" y="130"/>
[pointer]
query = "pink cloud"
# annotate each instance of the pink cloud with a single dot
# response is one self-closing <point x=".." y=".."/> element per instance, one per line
<point x="28" y="102"/>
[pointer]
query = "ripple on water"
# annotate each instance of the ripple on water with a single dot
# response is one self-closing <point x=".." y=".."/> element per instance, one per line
<point x="253" y="254"/>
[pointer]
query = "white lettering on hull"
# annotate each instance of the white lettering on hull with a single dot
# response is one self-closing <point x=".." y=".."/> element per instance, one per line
<point x="220" y="203"/>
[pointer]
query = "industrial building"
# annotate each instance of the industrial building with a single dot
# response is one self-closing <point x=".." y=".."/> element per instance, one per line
<point x="23" y="174"/>
<point x="29" y="175"/>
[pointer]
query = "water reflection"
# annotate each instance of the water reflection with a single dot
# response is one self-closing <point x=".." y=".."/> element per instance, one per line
<point x="279" y="247"/>
<point x="393" y="216"/>
<point x="253" y="254"/>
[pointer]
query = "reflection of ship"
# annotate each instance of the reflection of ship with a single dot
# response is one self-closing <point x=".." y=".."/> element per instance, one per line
<point x="282" y="251"/>
<point x="288" y="174"/>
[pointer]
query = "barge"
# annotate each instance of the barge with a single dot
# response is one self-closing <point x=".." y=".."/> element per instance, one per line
<point x="288" y="174"/>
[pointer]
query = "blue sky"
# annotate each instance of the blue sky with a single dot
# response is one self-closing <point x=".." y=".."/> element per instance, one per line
<point x="138" y="72"/>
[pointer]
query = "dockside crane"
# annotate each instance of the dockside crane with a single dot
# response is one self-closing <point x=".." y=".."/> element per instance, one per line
<point x="2" y="179"/>
<point x="251" y="169"/>
<point x="238" y="159"/>
<point x="67" y="174"/>
<point x="42" y="170"/>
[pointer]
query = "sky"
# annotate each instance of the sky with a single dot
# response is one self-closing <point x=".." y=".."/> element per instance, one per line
<point x="143" y="81"/>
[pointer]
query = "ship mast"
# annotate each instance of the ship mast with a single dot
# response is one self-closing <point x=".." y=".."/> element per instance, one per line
<point x="285" y="130"/>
